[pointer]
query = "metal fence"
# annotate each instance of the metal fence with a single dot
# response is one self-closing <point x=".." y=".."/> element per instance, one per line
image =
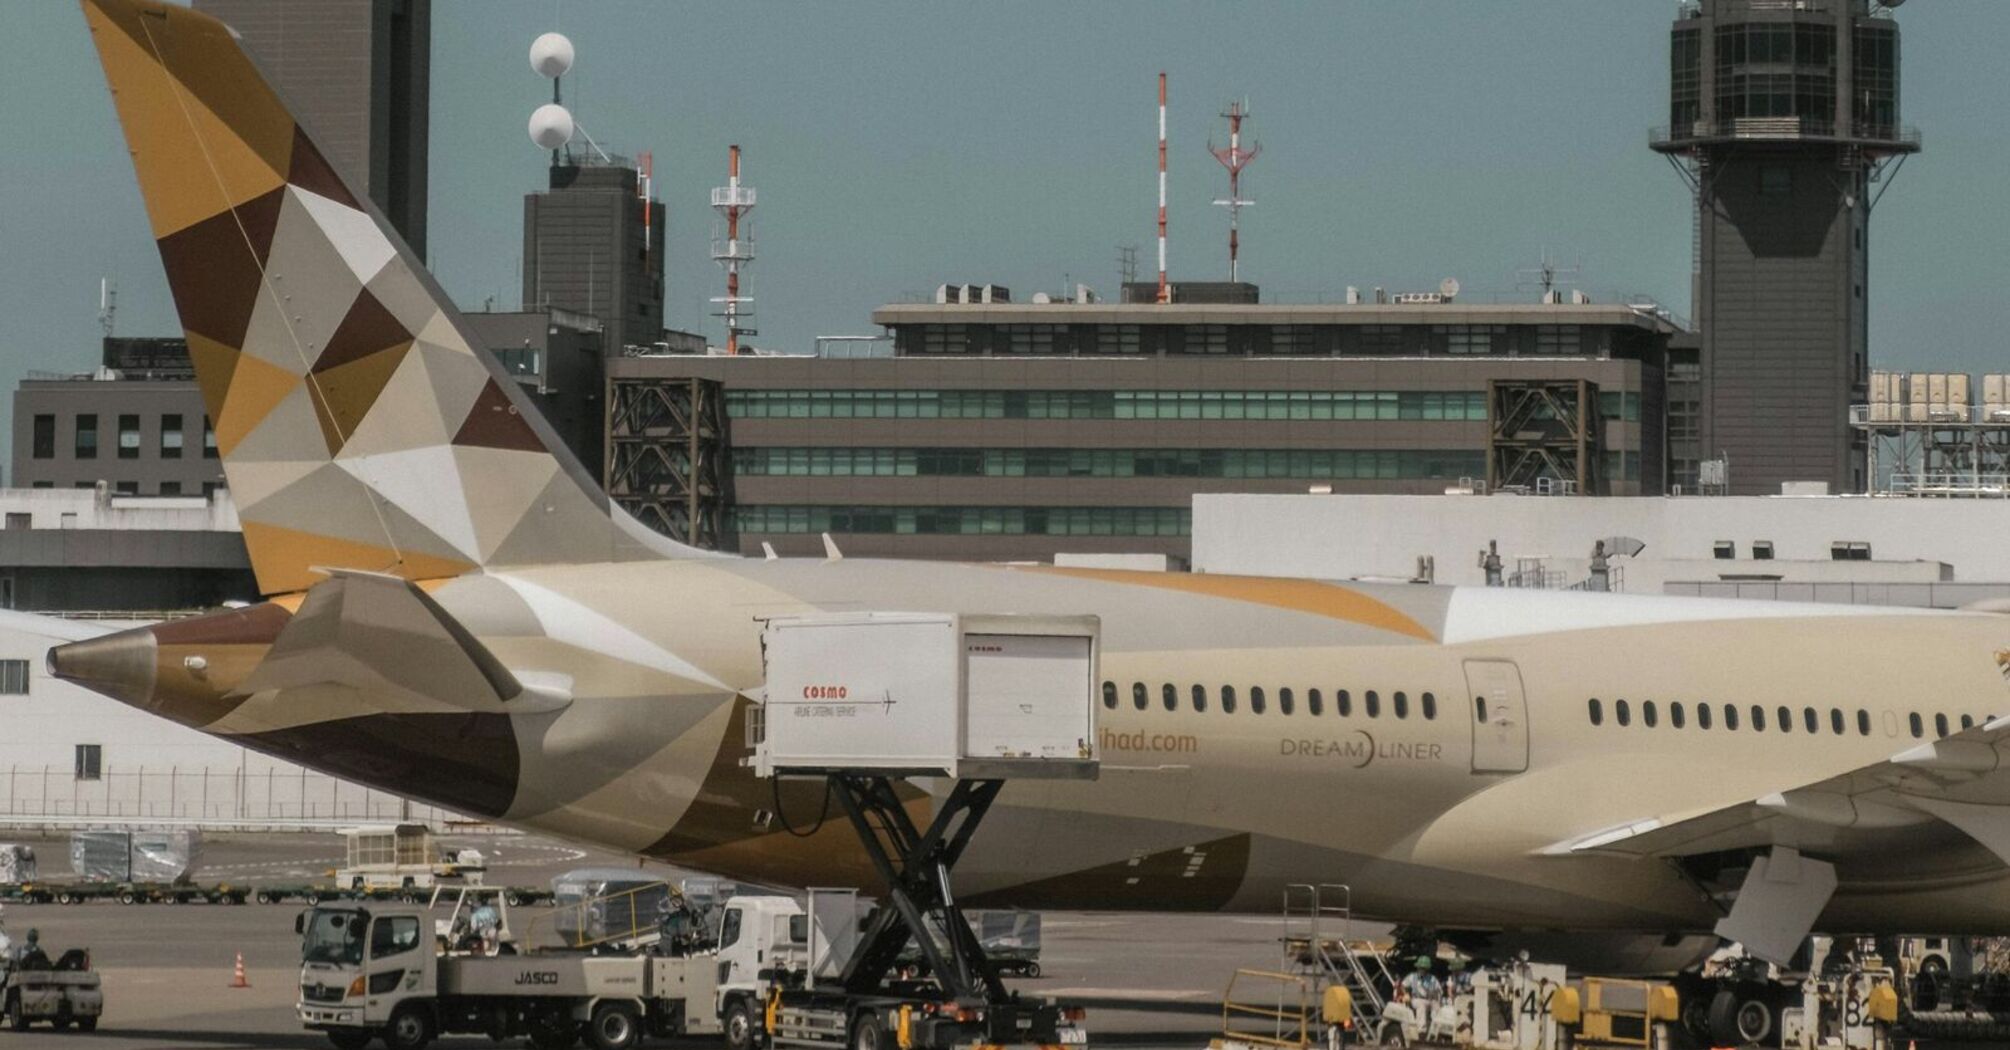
<point x="223" y="796"/>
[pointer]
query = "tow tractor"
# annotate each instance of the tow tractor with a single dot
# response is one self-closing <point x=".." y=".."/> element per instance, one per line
<point x="865" y="700"/>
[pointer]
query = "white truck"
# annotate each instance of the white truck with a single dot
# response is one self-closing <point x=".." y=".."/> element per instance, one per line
<point x="63" y="993"/>
<point x="372" y="971"/>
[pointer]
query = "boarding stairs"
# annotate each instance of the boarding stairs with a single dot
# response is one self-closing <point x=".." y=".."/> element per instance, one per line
<point x="1318" y="924"/>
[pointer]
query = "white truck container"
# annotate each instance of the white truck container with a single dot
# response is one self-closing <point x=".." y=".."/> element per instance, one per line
<point x="930" y="694"/>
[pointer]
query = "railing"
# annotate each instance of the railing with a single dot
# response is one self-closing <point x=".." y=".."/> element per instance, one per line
<point x="612" y="918"/>
<point x="54" y="795"/>
<point x="1774" y="128"/>
<point x="1288" y="1022"/>
<point x="1902" y="414"/>
<point x="1951" y="484"/>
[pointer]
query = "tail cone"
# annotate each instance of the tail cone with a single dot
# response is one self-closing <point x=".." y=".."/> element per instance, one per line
<point x="121" y="665"/>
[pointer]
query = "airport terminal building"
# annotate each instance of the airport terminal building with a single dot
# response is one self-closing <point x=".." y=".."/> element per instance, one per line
<point x="1002" y="431"/>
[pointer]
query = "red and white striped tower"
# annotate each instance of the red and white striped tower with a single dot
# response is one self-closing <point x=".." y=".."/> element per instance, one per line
<point x="1165" y="291"/>
<point x="733" y="202"/>
<point x="644" y="183"/>
<point x="1234" y="158"/>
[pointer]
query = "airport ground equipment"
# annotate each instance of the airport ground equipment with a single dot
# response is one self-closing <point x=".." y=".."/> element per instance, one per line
<point x="403" y="857"/>
<point x="1609" y="1012"/>
<point x="62" y="992"/>
<point x="372" y="971"/>
<point x="865" y="700"/>
<point x="1318" y="944"/>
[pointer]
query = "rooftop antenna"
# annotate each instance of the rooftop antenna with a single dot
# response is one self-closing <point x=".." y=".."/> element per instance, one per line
<point x="1164" y="293"/>
<point x="1127" y="264"/>
<point x="1544" y="274"/>
<point x="1234" y="158"/>
<point x="552" y="125"/>
<point x="108" y="304"/>
<point x="733" y="201"/>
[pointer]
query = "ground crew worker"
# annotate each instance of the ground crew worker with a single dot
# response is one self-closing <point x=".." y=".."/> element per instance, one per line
<point x="1422" y="988"/>
<point x="32" y="955"/>
<point x="1458" y="982"/>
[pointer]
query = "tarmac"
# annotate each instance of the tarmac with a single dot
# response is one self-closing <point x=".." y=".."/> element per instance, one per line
<point x="1149" y="980"/>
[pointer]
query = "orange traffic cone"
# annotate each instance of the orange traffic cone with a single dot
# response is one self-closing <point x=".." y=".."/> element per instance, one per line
<point x="237" y="974"/>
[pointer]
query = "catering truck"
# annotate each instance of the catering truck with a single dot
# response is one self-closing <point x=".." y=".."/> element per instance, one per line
<point x="370" y="971"/>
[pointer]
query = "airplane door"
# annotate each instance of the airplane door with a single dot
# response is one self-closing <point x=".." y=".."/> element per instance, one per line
<point x="1500" y="716"/>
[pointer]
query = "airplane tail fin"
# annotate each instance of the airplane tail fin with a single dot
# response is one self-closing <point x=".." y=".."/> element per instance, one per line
<point x="360" y="426"/>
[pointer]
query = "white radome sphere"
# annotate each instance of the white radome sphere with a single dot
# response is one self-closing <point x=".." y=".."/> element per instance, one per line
<point x="550" y="126"/>
<point x="551" y="55"/>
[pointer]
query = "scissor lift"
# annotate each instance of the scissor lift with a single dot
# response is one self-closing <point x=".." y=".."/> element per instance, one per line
<point x="866" y="700"/>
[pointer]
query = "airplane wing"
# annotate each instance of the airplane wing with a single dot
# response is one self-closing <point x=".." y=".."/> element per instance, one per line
<point x="1921" y="801"/>
<point x="1960" y="782"/>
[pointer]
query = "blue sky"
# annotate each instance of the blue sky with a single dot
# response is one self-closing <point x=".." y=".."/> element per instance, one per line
<point x="900" y="144"/>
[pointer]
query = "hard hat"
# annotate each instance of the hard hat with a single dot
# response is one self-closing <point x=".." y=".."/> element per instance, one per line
<point x="1423" y="962"/>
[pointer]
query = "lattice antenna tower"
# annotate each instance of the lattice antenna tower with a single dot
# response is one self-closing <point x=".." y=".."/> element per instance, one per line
<point x="734" y="204"/>
<point x="1234" y="158"/>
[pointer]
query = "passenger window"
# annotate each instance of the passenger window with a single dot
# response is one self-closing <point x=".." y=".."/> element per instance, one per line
<point x="1343" y="703"/>
<point x="1731" y="717"/>
<point x="1648" y="716"/>
<point x="1255" y="699"/>
<point x="1622" y="713"/>
<point x="1401" y="701"/>
<point x="1372" y="703"/>
<point x="1811" y="720"/>
<point x="1170" y="695"/>
<point x="1597" y="712"/>
<point x="1702" y="716"/>
<point x="1138" y="695"/>
<point x="1314" y="706"/>
<point x="1940" y="725"/>
<point x="1200" y="698"/>
<point x="1918" y="725"/>
<point x="1758" y="719"/>
<point x="1675" y="717"/>
<point x="1967" y="722"/>
<point x="1862" y="722"/>
<point x="1430" y="707"/>
<point x="1110" y="695"/>
<point x="1284" y="701"/>
<point x="1835" y="720"/>
<point x="1786" y="720"/>
<point x="1228" y="699"/>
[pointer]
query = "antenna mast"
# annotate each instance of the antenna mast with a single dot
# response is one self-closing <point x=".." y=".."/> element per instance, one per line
<point x="1234" y="158"/>
<point x="732" y="201"/>
<point x="1164" y="293"/>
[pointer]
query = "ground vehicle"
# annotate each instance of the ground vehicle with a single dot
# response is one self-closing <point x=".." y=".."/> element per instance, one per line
<point x="63" y="993"/>
<point x="403" y="857"/>
<point x="370" y="970"/>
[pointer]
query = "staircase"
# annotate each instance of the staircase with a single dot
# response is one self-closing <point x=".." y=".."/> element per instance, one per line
<point x="1318" y="919"/>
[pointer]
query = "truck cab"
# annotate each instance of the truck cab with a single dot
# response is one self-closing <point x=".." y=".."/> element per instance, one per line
<point x="763" y="941"/>
<point x="367" y="970"/>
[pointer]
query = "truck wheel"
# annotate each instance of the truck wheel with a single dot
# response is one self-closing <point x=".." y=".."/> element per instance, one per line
<point x="15" y="1019"/>
<point x="867" y="1033"/>
<point x="1031" y="969"/>
<point x="350" y="1040"/>
<point x="262" y="897"/>
<point x="126" y="897"/>
<point x="741" y="1033"/>
<point x="512" y="899"/>
<point x="410" y="1029"/>
<point x="614" y="1026"/>
<point x="63" y="897"/>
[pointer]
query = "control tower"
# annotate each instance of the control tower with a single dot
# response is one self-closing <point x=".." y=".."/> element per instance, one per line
<point x="1783" y="116"/>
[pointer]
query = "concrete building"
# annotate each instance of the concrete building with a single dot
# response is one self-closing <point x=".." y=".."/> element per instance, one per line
<point x="593" y="245"/>
<point x="71" y="551"/>
<point x="73" y="758"/>
<point x="1002" y="431"/>
<point x="1782" y="117"/>
<point x="136" y="425"/>
<point x="357" y="75"/>
<point x="1941" y="553"/>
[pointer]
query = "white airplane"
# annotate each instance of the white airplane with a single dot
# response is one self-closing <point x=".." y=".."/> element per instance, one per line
<point x="456" y="613"/>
